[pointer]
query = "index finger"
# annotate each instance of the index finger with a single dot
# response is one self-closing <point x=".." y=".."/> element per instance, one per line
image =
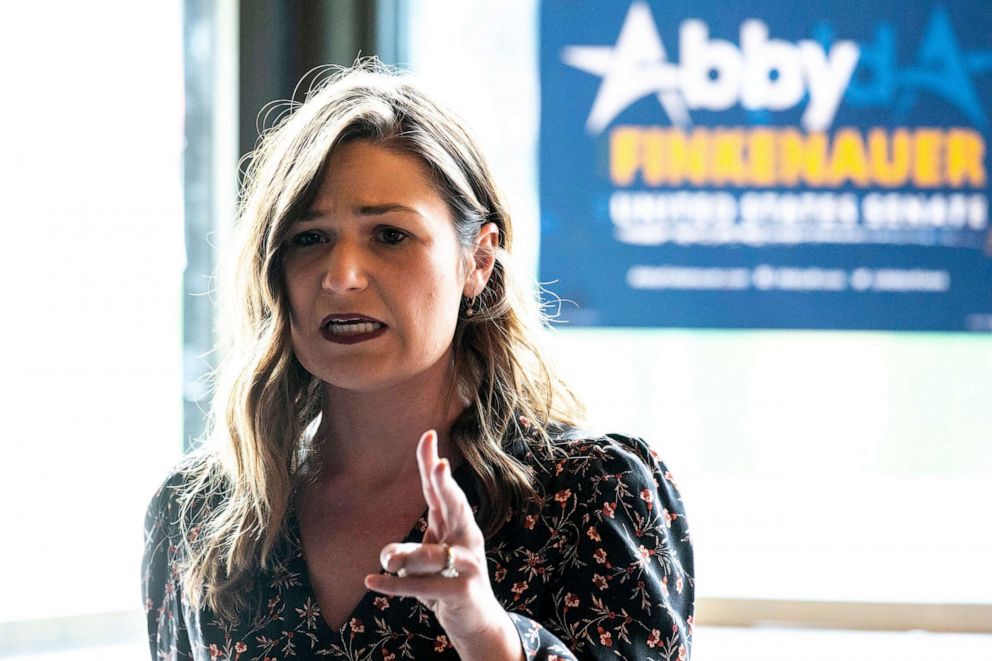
<point x="461" y="524"/>
<point x="427" y="461"/>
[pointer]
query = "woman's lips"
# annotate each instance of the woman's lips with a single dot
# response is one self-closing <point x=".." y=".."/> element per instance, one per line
<point x="350" y="328"/>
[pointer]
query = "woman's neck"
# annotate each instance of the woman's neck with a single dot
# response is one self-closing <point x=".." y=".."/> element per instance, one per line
<point x="370" y="438"/>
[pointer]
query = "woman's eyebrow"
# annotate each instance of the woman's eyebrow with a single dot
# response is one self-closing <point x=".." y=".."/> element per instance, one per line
<point x="380" y="209"/>
<point x="360" y="210"/>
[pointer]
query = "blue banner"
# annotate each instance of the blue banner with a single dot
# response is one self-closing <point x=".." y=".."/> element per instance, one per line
<point x="767" y="164"/>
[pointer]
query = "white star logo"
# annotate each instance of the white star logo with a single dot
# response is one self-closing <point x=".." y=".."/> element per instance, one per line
<point x="635" y="67"/>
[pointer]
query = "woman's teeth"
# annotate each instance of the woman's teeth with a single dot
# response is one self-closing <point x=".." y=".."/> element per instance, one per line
<point x="352" y="327"/>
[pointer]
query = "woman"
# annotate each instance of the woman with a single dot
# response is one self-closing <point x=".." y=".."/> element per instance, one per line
<point x="382" y="363"/>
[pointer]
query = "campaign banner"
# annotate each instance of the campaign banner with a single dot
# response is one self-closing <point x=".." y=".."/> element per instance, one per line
<point x="767" y="164"/>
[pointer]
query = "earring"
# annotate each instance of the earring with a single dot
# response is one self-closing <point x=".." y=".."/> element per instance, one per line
<point x="469" y="305"/>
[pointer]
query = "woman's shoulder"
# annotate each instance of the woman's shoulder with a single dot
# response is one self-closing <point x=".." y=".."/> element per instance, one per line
<point x="608" y="447"/>
<point x="185" y="474"/>
<point x="185" y="491"/>
<point x="608" y="486"/>
<point x="578" y="445"/>
<point x="582" y="457"/>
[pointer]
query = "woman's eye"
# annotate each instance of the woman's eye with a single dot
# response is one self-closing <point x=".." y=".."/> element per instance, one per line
<point x="390" y="235"/>
<point x="307" y="239"/>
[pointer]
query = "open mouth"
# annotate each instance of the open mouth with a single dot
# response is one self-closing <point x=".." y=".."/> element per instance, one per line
<point x="352" y="326"/>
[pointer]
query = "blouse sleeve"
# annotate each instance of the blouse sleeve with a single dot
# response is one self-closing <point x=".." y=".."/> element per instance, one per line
<point x="624" y="582"/>
<point x="167" y="635"/>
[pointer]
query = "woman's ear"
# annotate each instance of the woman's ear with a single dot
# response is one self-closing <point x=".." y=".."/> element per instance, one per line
<point x="483" y="259"/>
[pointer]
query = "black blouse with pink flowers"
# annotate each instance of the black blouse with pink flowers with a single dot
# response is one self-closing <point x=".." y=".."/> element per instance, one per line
<point x="600" y="567"/>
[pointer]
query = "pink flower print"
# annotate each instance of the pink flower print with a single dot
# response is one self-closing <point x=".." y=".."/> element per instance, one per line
<point x="240" y="648"/>
<point x="534" y="563"/>
<point x="600" y="556"/>
<point x="600" y="581"/>
<point x="571" y="600"/>
<point x="678" y="585"/>
<point x="356" y="626"/>
<point x="609" y="509"/>
<point x="381" y="603"/>
<point x="593" y="534"/>
<point x="654" y="638"/>
<point x="647" y="497"/>
<point x="387" y="655"/>
<point x="500" y="574"/>
<point x="669" y="517"/>
<point x="562" y="496"/>
<point x="664" y="585"/>
<point x="214" y="651"/>
<point x="441" y="643"/>
<point x="683" y="653"/>
<point x="604" y="637"/>
<point x="518" y="589"/>
<point x="529" y="521"/>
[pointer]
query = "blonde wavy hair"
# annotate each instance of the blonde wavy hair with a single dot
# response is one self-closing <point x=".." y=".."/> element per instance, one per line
<point x="237" y="498"/>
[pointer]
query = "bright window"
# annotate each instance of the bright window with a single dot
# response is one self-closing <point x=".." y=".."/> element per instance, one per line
<point x="92" y="279"/>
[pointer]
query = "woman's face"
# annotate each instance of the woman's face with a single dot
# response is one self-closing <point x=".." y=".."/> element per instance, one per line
<point x="374" y="272"/>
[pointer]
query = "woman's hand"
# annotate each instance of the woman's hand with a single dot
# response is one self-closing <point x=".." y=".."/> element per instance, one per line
<point x="465" y="605"/>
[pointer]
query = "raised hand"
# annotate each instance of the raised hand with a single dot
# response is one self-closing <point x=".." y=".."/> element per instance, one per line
<point x="447" y="571"/>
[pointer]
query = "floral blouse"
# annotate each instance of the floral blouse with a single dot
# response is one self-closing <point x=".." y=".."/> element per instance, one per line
<point x="599" y="567"/>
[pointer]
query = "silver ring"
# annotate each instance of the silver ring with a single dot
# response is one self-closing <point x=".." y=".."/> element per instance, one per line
<point x="449" y="570"/>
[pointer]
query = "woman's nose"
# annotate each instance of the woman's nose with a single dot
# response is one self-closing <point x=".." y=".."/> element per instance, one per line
<point x="345" y="269"/>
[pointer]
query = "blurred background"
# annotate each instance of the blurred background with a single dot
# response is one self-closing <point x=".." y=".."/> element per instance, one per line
<point x="816" y="371"/>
